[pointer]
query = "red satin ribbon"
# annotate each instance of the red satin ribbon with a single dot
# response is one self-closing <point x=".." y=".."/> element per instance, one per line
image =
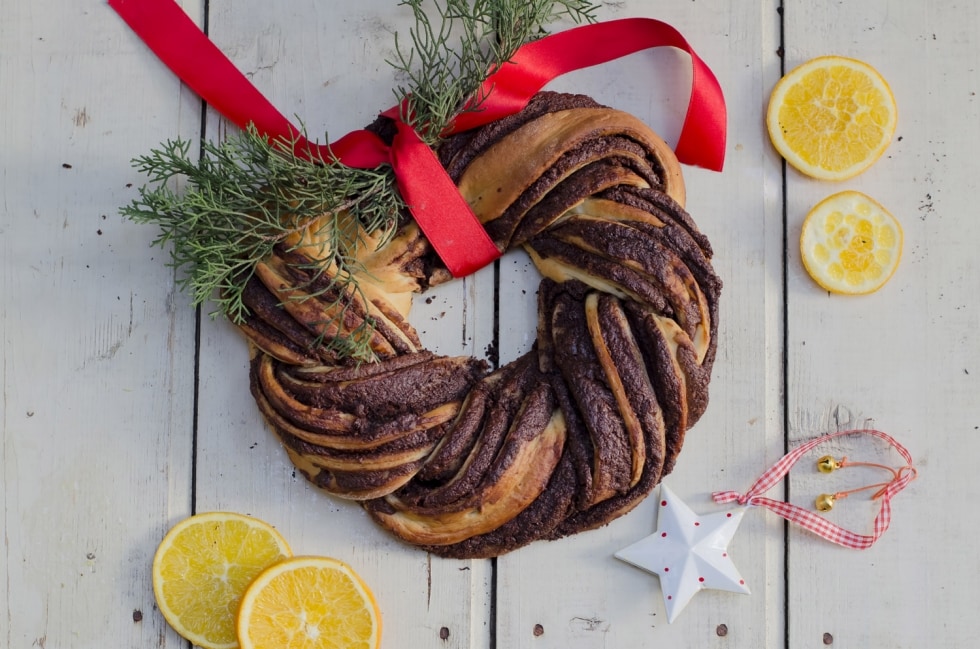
<point x="437" y="206"/>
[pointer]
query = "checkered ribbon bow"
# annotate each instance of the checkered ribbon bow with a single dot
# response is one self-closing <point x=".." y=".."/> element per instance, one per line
<point x="813" y="522"/>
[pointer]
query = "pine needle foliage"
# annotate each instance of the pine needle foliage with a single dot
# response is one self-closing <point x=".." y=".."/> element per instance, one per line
<point x="224" y="212"/>
<point x="450" y="57"/>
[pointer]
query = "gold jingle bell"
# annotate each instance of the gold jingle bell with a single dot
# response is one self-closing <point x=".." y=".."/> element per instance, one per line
<point x="827" y="464"/>
<point x="825" y="502"/>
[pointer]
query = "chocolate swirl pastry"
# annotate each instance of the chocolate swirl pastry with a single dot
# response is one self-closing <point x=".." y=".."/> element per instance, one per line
<point x="469" y="463"/>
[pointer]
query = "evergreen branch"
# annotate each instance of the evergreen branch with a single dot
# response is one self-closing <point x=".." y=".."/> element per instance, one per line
<point x="244" y="197"/>
<point x="448" y="61"/>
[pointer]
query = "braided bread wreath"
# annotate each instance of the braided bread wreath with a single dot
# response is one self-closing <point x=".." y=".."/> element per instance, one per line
<point x="466" y="463"/>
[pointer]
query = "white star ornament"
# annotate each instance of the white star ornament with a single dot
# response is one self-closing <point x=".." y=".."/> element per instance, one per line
<point x="688" y="552"/>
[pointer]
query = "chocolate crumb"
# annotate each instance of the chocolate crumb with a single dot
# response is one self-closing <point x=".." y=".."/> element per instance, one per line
<point x="722" y="630"/>
<point x="65" y="165"/>
<point x="137" y="615"/>
<point x="538" y="630"/>
<point x="444" y="633"/>
<point x="492" y="354"/>
<point x="828" y="639"/>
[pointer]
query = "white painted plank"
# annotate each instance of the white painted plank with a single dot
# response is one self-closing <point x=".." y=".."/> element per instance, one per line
<point x="327" y="67"/>
<point x="97" y="351"/>
<point x="904" y="359"/>
<point x="573" y="588"/>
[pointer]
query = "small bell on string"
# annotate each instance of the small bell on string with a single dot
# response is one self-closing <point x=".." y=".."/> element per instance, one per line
<point x="827" y="464"/>
<point x="825" y="502"/>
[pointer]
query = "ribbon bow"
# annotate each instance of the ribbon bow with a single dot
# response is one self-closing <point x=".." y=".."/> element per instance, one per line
<point x="441" y="212"/>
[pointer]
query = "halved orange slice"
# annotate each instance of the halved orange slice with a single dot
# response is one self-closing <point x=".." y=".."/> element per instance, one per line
<point x="202" y="567"/>
<point x="832" y="117"/>
<point x="309" y="603"/>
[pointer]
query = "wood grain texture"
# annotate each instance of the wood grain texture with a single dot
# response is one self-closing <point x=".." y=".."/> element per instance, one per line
<point x="117" y="419"/>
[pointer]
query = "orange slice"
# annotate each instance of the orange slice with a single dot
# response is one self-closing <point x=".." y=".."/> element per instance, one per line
<point x="831" y="117"/>
<point x="309" y="603"/>
<point x="203" y="566"/>
<point x="850" y="244"/>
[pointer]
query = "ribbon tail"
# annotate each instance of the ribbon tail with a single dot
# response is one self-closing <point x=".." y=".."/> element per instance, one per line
<point x="440" y="210"/>
<point x="825" y="529"/>
<point x="724" y="497"/>
<point x="171" y="34"/>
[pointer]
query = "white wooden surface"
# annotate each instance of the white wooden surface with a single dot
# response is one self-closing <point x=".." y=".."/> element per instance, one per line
<point x="122" y="412"/>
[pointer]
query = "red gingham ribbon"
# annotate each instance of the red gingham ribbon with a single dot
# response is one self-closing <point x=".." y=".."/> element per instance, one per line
<point x="813" y="522"/>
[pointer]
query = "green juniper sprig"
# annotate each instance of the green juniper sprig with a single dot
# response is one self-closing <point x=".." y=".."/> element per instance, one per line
<point x="244" y="196"/>
<point x="449" y="60"/>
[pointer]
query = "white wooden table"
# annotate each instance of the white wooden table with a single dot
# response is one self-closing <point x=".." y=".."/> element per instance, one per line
<point x="124" y="411"/>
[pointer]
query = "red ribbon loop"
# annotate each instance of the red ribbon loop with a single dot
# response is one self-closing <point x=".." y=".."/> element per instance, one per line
<point x="443" y="215"/>
<point x="507" y="91"/>
<point x="813" y="522"/>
